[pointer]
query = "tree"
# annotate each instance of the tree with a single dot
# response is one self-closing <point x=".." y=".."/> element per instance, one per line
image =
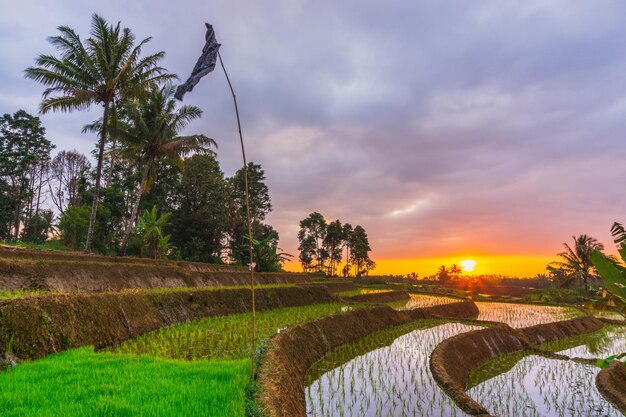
<point x="347" y="235"/>
<point x="613" y="272"/>
<point x="150" y="132"/>
<point x="24" y="153"/>
<point x="614" y="275"/>
<point x="443" y="275"/>
<point x="332" y="244"/>
<point x="260" y="201"/>
<point x="202" y="201"/>
<point x="359" y="251"/>
<point x="150" y="229"/>
<point x="455" y="271"/>
<point x="267" y="255"/>
<point x="105" y="68"/>
<point x="66" y="170"/>
<point x="260" y="207"/>
<point x="577" y="259"/>
<point x="39" y="226"/>
<point x="311" y="235"/>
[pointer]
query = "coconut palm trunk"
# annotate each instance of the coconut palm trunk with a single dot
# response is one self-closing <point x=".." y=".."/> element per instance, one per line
<point x="96" y="191"/>
<point x="135" y="211"/>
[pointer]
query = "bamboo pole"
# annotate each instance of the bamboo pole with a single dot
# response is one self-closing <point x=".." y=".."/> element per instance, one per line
<point x="248" y="220"/>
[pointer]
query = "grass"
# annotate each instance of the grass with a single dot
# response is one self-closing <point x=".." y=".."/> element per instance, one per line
<point x="495" y="366"/>
<point x="209" y="288"/>
<point x="8" y="294"/>
<point x="82" y="383"/>
<point x="362" y="291"/>
<point x="609" y="340"/>
<point x="51" y="244"/>
<point x="222" y="337"/>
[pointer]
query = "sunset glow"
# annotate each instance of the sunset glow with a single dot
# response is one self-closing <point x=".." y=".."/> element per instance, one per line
<point x="517" y="266"/>
<point x="468" y="265"/>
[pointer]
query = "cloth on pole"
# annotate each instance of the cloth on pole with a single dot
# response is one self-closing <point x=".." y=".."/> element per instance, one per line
<point x="204" y="65"/>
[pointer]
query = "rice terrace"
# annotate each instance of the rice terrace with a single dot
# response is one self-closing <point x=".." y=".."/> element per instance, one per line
<point x="312" y="209"/>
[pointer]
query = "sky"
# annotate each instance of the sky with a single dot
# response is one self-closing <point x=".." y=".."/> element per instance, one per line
<point x="449" y="130"/>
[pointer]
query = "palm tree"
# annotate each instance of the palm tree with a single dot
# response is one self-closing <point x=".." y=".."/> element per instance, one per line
<point x="577" y="259"/>
<point x="150" y="131"/>
<point x="443" y="274"/>
<point x="103" y="69"/>
<point x="455" y="270"/>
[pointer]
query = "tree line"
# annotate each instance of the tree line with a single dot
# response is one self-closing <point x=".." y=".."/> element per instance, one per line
<point x="322" y="245"/>
<point x="152" y="191"/>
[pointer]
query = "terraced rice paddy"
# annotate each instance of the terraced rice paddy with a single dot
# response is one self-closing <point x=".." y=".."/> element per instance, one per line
<point x="390" y="381"/>
<point x="362" y="291"/>
<point x="610" y="340"/>
<point x="84" y="383"/>
<point x="607" y="314"/>
<point x="541" y="387"/>
<point x="524" y="315"/>
<point x="427" y="300"/>
<point x="223" y="337"/>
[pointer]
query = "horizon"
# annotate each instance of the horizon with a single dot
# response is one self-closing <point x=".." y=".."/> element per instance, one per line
<point x="448" y="132"/>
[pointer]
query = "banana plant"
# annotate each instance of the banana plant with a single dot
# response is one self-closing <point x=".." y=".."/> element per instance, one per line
<point x="611" y="269"/>
<point x="613" y="272"/>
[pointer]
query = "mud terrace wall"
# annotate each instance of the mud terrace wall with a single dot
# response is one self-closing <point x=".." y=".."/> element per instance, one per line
<point x="291" y="353"/>
<point x="332" y="284"/>
<point x="454" y="358"/>
<point x="381" y="297"/>
<point x="611" y="383"/>
<point x="96" y="275"/>
<point x="42" y="255"/>
<point x="37" y="326"/>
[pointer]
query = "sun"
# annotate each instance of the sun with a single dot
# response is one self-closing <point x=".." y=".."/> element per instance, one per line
<point x="468" y="265"/>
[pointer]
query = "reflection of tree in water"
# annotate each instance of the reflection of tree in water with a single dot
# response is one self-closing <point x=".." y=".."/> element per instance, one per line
<point x="597" y="342"/>
<point x="609" y="340"/>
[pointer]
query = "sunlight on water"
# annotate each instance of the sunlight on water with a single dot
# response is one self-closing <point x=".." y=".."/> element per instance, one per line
<point x="524" y="315"/>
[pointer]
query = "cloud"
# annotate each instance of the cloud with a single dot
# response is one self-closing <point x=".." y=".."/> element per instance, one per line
<point x="440" y="127"/>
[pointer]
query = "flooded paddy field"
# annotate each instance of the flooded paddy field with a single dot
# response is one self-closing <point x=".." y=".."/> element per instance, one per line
<point x="609" y="340"/>
<point x="423" y="300"/>
<point x="387" y="374"/>
<point x="519" y="315"/>
<point x="537" y="386"/>
<point x="393" y="380"/>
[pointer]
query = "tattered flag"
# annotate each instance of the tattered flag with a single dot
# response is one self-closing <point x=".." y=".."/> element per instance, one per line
<point x="204" y="65"/>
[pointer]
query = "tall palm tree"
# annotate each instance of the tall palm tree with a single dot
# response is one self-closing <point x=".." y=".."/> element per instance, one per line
<point x="104" y="68"/>
<point x="443" y="274"/>
<point x="577" y="259"/>
<point x="151" y="131"/>
<point x="455" y="270"/>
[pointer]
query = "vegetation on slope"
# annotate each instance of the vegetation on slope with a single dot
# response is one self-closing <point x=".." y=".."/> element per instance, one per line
<point x="81" y="382"/>
<point x="223" y="337"/>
